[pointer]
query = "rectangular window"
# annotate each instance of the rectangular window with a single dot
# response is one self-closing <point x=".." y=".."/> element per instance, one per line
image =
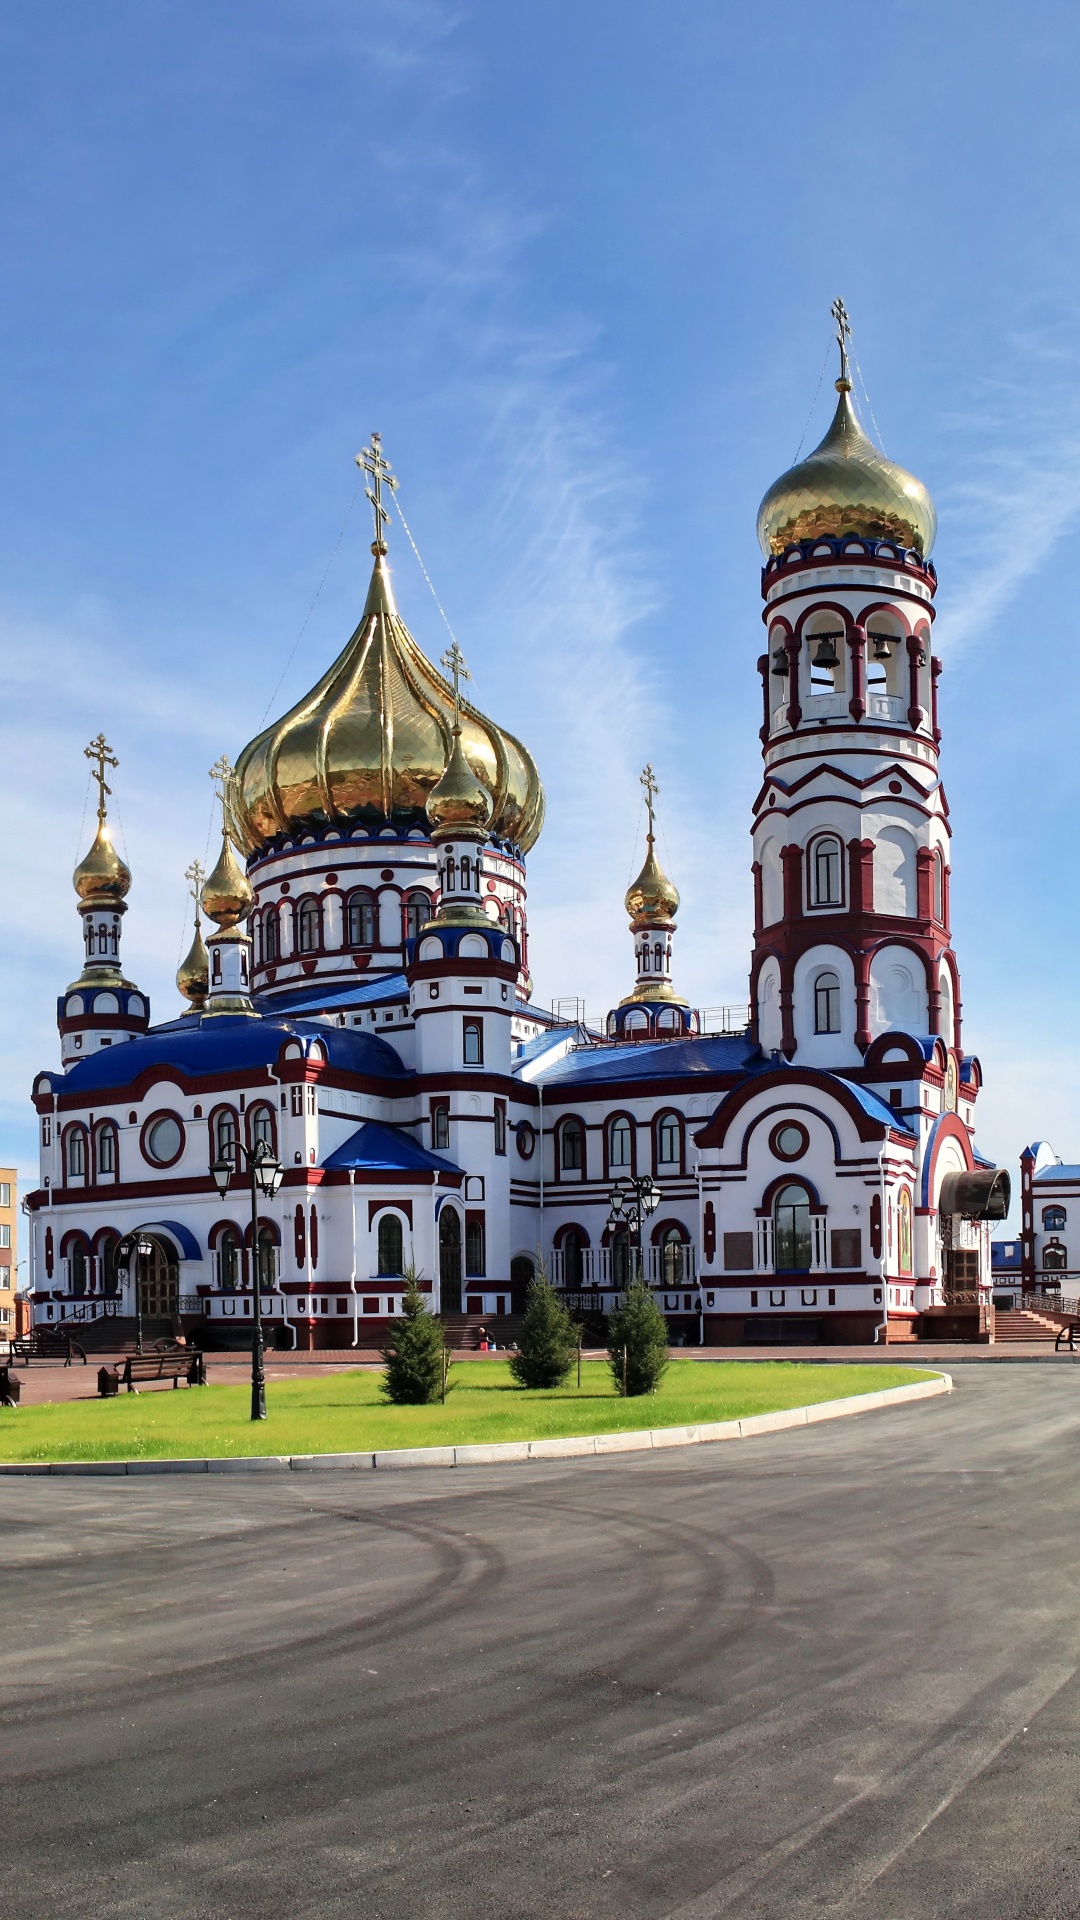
<point x="440" y="1129"/>
<point x="474" y="1248"/>
<point x="845" y="1247"/>
<point x="5" y="1190"/>
<point x="500" y="1126"/>
<point x="827" y="1003"/>
<point x="5" y="1234"/>
<point x="827" y="873"/>
<point x="472" y="1043"/>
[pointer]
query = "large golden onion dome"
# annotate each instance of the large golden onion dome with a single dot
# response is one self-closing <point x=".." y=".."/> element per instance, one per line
<point x="101" y="877"/>
<point x="652" y="900"/>
<point x="369" y="743"/>
<point x="846" y="486"/>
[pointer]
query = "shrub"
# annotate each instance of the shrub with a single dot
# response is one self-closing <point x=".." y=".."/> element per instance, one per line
<point x="637" y="1342"/>
<point x="416" y="1353"/>
<point x="548" y="1341"/>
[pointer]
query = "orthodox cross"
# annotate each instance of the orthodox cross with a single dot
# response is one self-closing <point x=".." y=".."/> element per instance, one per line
<point x="454" y="662"/>
<point x="374" y="462"/>
<point x="843" y="334"/>
<point x="100" y="751"/>
<point x="224" y="771"/>
<point x="652" y="788"/>
<point x="195" y="875"/>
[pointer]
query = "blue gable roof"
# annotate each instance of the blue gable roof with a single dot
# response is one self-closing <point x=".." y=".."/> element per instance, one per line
<point x="223" y="1044"/>
<point x="877" y="1108"/>
<point x="386" y="1148"/>
<point x="366" y="993"/>
<point x="656" y="1060"/>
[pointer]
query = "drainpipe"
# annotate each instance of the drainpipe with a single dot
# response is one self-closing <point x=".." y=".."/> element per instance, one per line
<point x="540" y="1091"/>
<point x="883" y="1327"/>
<point x="701" y="1229"/>
<point x="352" y="1282"/>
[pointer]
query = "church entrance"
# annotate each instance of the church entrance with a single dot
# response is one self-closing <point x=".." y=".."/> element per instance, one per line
<point x="449" y="1261"/>
<point x="159" y="1281"/>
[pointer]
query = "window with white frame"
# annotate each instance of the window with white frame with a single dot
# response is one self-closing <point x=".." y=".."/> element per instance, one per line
<point x="827" y="1003"/>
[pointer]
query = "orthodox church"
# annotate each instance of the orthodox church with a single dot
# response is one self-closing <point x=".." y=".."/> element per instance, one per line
<point x="361" y="1007"/>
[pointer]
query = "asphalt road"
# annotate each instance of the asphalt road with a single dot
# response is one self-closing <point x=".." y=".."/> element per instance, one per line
<point x="828" y="1673"/>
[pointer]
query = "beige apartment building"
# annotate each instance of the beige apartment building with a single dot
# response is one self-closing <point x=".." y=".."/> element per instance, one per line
<point x="9" y="1201"/>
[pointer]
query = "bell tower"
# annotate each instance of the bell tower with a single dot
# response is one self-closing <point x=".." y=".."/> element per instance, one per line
<point x="851" y="828"/>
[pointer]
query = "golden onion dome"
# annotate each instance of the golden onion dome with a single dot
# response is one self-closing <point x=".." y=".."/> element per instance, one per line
<point x="102" y="878"/>
<point x="457" y="802"/>
<point x="846" y="486"/>
<point x="193" y="973"/>
<point x="227" y="894"/>
<point x="373" y="739"/>
<point x="652" y="900"/>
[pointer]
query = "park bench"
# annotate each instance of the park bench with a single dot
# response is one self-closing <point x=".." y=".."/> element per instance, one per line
<point x="148" y="1369"/>
<point x="1068" y="1334"/>
<point x="45" y="1343"/>
<point x="10" y="1387"/>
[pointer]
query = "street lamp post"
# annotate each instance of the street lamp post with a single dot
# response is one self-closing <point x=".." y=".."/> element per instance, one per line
<point x="133" y="1248"/>
<point x="265" y="1175"/>
<point x="630" y="1207"/>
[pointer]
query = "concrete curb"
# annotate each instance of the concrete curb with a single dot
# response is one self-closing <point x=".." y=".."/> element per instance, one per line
<point x="501" y="1452"/>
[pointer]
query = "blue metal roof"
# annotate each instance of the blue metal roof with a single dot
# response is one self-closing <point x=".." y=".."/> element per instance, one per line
<point x="877" y="1108"/>
<point x="367" y="993"/>
<point x="386" y="1148"/>
<point x="656" y="1060"/>
<point x="224" y="1044"/>
<point x="1056" y="1172"/>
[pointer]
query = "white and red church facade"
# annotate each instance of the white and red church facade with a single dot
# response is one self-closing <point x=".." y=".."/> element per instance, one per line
<point x="364" y="1007"/>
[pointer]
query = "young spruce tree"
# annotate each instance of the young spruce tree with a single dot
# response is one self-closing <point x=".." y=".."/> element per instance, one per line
<point x="637" y="1342"/>
<point x="416" y="1353"/>
<point x="548" y="1339"/>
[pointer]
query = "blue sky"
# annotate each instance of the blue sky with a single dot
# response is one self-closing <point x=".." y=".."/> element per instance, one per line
<point x="575" y="263"/>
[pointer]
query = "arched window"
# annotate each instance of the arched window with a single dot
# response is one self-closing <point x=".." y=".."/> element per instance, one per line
<point x="440" y="1127"/>
<point x="673" y="1257"/>
<point x="451" y="873"/>
<point x="1053" y="1219"/>
<point x="271" y="938"/>
<point x="619" y="1248"/>
<point x="572" y="1147"/>
<point x="76" y="1154"/>
<point x="78" y="1265"/>
<point x="223" y="1129"/>
<point x="307" y="926"/>
<point x="107" y="1255"/>
<point x="939" y="887"/>
<point x="791" y="1228"/>
<point x="903" y="1214"/>
<point x="658" y="956"/>
<point x="106" y="1151"/>
<point x="391" y="1245"/>
<point x="466" y="872"/>
<point x="475" y="1262"/>
<point x="360" y="919"/>
<point x="228" y="1259"/>
<point x="826" y="873"/>
<point x="417" y="912"/>
<point x="267" y="1246"/>
<point x="573" y="1261"/>
<point x="669" y="1141"/>
<point x="620" y="1144"/>
<point x="472" y="1048"/>
<point x="1054" y="1259"/>
<point x="644" y="962"/>
<point x="450" y="1260"/>
<point x="827" y="1003"/>
<point x="262" y="1128"/>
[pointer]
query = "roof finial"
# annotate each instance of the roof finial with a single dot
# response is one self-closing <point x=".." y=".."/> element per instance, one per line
<point x="454" y="662"/>
<point x="843" y="335"/>
<point x="195" y="875"/>
<point x="100" y="751"/>
<point x="374" y="462"/>
<point x="652" y="788"/>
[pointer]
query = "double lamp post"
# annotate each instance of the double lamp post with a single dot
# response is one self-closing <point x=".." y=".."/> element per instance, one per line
<point x="630" y="1207"/>
<point x="265" y="1174"/>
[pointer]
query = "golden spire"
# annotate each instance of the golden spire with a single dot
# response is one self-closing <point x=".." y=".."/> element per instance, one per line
<point x="227" y="895"/>
<point x="651" y="899"/>
<point x="846" y="485"/>
<point x="101" y="877"/>
<point x="193" y="973"/>
<point x="458" y="804"/>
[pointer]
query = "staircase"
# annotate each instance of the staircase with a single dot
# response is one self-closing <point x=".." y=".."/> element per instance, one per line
<point x="462" y="1330"/>
<point x="116" y="1334"/>
<point x="1022" y="1325"/>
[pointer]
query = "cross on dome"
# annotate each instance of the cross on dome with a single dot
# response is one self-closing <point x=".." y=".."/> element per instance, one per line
<point x="454" y="662"/>
<point x="373" y="461"/>
<point x="100" y="751"/>
<point x="843" y="334"/>
<point x="652" y="787"/>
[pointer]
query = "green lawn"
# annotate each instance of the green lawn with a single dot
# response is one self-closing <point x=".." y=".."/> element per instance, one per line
<point x="344" y="1413"/>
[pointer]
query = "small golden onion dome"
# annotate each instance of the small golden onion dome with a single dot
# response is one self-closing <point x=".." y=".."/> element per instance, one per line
<point x="102" y="877"/>
<point x="227" y="894"/>
<point x="372" y="739"/>
<point x="457" y="802"/>
<point x="193" y="973"/>
<point x="846" y="486"/>
<point x="652" y="900"/>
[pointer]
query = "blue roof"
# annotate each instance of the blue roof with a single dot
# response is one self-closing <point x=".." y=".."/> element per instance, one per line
<point x="367" y="993"/>
<point x="1056" y="1172"/>
<point x="1004" y="1254"/>
<point x="877" y="1108"/>
<point x="224" y="1044"/>
<point x="656" y="1060"/>
<point x="386" y="1148"/>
